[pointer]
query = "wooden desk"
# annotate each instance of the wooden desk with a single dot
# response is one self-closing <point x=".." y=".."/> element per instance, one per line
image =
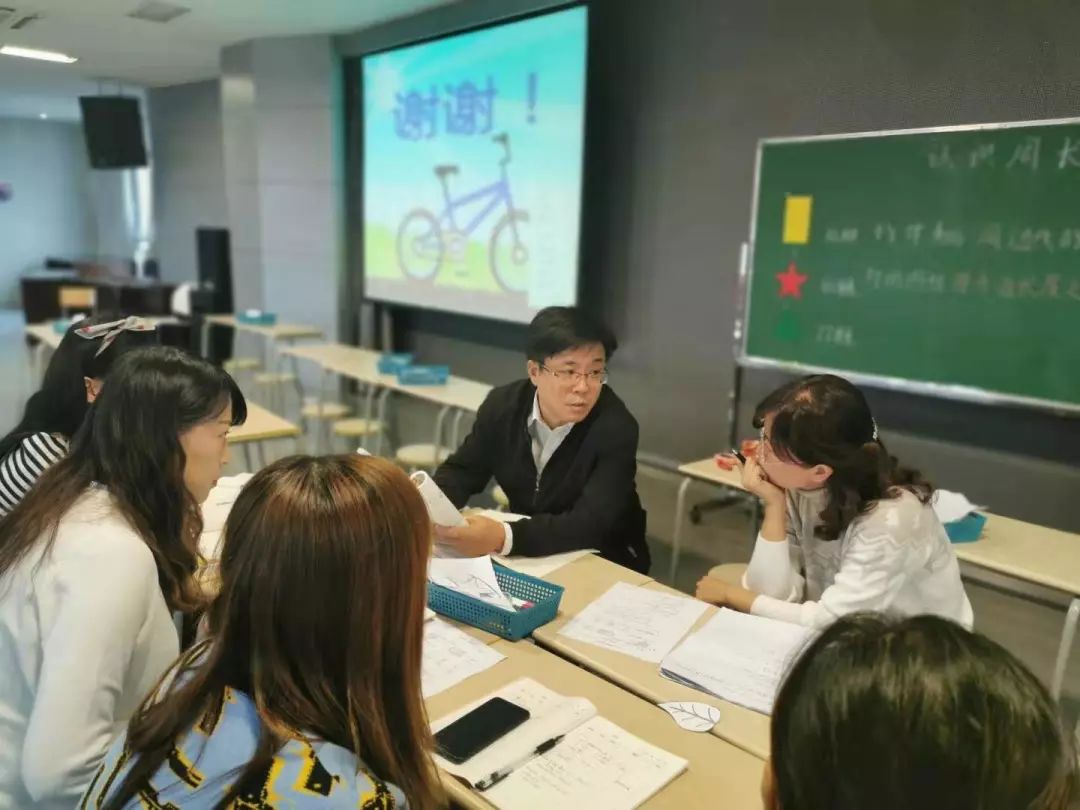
<point x="272" y="335"/>
<point x="718" y="775"/>
<point x="706" y="472"/>
<point x="588" y="579"/>
<point x="355" y="363"/>
<point x="261" y="425"/>
<point x="1020" y="550"/>
<point x="743" y="728"/>
<point x="279" y="331"/>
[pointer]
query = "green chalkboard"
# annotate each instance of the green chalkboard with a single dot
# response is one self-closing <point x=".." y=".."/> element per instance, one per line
<point x="945" y="261"/>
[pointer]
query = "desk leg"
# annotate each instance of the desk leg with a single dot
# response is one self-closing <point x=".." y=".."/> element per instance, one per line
<point x="440" y="421"/>
<point x="369" y="414"/>
<point x="384" y="395"/>
<point x="318" y="418"/>
<point x="676" y="534"/>
<point x="1068" y="635"/>
<point x="41" y="356"/>
<point x="455" y="432"/>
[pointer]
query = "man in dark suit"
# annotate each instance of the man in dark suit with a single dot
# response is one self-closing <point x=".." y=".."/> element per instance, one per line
<point x="562" y="446"/>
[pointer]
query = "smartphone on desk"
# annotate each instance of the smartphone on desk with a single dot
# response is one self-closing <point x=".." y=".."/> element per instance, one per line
<point x="472" y="733"/>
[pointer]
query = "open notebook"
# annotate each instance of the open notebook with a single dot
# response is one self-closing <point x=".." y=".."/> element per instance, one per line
<point x="738" y="657"/>
<point x="596" y="764"/>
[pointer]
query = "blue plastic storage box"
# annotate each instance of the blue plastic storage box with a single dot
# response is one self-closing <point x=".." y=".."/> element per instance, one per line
<point x="509" y="624"/>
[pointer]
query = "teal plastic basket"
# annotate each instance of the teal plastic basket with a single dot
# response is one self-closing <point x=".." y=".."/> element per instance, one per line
<point x="509" y="624"/>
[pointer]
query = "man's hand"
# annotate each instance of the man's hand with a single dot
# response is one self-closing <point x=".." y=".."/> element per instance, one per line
<point x="479" y="536"/>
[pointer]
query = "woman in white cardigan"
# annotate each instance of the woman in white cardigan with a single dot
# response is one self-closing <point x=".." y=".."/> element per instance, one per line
<point x="93" y="560"/>
<point x="846" y="528"/>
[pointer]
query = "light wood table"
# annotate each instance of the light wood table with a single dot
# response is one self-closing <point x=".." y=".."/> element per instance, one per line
<point x="279" y="333"/>
<point x="1022" y="551"/>
<point x="718" y="775"/>
<point x="704" y="471"/>
<point x="459" y="395"/>
<point x="261" y="425"/>
<point x="744" y="728"/>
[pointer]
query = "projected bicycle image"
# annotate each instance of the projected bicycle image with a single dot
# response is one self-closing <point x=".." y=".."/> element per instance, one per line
<point x="427" y="241"/>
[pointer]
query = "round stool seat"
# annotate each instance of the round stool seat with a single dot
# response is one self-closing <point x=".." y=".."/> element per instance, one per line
<point x="273" y="378"/>
<point x="325" y="410"/>
<point x="731" y="573"/>
<point x="421" y="455"/>
<point x="241" y="364"/>
<point x="352" y="428"/>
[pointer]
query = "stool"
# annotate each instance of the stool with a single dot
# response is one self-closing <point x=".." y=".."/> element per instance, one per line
<point x="274" y="383"/>
<point x="359" y="429"/>
<point x="731" y="573"/>
<point x="324" y="413"/>
<point x="237" y="366"/>
<point x="415" y="457"/>
<point x="501" y="501"/>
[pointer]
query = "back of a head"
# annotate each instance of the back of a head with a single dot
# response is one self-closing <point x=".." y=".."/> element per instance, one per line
<point x="60" y="405"/>
<point x="556" y="329"/>
<point x="916" y="713"/>
<point x="320" y="614"/>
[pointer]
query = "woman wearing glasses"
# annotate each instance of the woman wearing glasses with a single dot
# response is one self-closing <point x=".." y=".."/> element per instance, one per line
<point x="846" y="528"/>
<point x="562" y="446"/>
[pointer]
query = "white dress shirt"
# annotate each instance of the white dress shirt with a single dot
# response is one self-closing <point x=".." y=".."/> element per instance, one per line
<point x="545" y="441"/>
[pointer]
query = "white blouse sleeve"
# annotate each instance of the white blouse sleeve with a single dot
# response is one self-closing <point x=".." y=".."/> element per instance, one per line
<point x="101" y="608"/>
<point x="872" y="572"/>
<point x="775" y="566"/>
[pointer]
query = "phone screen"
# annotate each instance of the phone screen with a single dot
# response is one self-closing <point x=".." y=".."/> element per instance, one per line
<point x="475" y="731"/>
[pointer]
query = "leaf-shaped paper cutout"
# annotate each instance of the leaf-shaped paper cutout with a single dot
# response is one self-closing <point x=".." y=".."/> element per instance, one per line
<point x="699" y="717"/>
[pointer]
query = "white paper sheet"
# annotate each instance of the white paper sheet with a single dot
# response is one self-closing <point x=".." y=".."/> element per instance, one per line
<point x="542" y="566"/>
<point x="440" y="508"/>
<point x="636" y="621"/>
<point x="451" y="656"/>
<point x="533" y="566"/>
<point x="950" y="506"/>
<point x="598" y="765"/>
<point x="738" y="657"/>
<point x="472" y="576"/>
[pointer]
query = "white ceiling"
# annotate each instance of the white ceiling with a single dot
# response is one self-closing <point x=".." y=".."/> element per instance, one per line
<point x="112" y="46"/>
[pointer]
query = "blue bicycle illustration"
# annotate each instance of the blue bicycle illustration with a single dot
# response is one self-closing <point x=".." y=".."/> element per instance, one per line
<point x="424" y="239"/>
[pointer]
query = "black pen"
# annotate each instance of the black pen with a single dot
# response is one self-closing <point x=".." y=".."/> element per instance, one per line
<point x="502" y="773"/>
<point x="738" y="455"/>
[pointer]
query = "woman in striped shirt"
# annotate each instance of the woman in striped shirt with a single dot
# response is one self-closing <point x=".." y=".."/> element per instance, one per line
<point x="72" y="381"/>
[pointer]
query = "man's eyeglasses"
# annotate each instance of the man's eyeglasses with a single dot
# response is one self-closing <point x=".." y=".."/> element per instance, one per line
<point x="569" y="376"/>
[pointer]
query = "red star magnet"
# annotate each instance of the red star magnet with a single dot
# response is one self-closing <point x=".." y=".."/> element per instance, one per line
<point x="791" y="281"/>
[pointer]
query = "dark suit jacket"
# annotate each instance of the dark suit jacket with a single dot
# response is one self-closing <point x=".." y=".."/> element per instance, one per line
<point x="586" y="497"/>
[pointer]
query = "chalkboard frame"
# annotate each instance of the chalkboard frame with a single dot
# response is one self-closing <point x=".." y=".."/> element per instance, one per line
<point x="924" y="387"/>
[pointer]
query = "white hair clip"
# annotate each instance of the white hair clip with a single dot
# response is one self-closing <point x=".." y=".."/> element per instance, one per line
<point x="874" y="423"/>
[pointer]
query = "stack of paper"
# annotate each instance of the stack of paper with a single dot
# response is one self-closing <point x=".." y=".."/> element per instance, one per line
<point x="738" y="657"/>
<point x="595" y="763"/>
<point x="636" y="621"/>
<point x="471" y="576"/>
<point x="451" y="656"/>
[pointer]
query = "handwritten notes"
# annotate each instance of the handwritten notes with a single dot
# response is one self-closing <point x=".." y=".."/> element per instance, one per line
<point x="451" y="656"/>
<point x="738" y="657"/>
<point x="598" y="765"/>
<point x="635" y="621"/>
